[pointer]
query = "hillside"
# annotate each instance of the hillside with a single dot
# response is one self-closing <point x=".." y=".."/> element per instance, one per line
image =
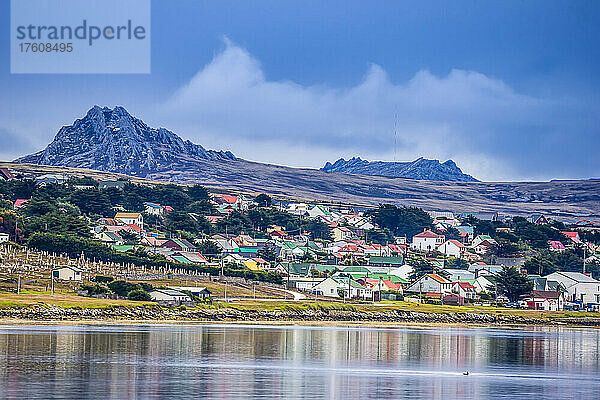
<point x="564" y="199"/>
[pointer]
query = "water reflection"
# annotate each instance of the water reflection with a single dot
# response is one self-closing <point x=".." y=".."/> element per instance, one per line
<point x="224" y="361"/>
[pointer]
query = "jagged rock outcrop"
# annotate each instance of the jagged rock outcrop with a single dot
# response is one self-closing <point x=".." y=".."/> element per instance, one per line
<point x="113" y="140"/>
<point x="422" y="169"/>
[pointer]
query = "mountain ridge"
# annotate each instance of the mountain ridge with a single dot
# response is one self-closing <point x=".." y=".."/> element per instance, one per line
<point x="113" y="140"/>
<point x="421" y="169"/>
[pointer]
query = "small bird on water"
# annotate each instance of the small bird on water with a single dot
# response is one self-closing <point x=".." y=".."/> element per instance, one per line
<point x="466" y="373"/>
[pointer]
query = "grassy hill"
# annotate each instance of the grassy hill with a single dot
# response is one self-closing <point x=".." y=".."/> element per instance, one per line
<point x="563" y="199"/>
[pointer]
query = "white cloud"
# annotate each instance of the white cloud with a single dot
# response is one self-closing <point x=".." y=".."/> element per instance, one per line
<point x="488" y="128"/>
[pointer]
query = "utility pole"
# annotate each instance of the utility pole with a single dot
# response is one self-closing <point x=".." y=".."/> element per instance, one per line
<point x="19" y="285"/>
<point x="584" y="255"/>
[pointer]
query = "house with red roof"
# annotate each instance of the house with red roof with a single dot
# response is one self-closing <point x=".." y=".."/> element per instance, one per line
<point x="20" y="203"/>
<point x="573" y="237"/>
<point x="555" y="245"/>
<point x="452" y="248"/>
<point x="545" y="300"/>
<point x="464" y="290"/>
<point x="427" y="240"/>
<point x="6" y="175"/>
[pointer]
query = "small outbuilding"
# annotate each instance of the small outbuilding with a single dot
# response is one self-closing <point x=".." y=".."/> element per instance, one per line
<point x="67" y="273"/>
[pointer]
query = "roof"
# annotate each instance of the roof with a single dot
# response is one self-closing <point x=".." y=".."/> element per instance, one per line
<point x="386" y="260"/>
<point x="127" y="215"/>
<point x="169" y="292"/>
<point x="5" y="172"/>
<point x="555" y="244"/>
<point x="464" y="285"/>
<point x="437" y="278"/>
<point x="545" y="294"/>
<point x="455" y="242"/>
<point x="427" y="234"/>
<point x="20" y="202"/>
<point x="69" y="267"/>
<point x="576" y="276"/>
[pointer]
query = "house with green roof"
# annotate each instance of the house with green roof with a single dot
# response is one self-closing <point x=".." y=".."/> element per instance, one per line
<point x="386" y="261"/>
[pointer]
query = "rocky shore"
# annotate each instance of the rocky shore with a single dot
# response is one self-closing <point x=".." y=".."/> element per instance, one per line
<point x="157" y="313"/>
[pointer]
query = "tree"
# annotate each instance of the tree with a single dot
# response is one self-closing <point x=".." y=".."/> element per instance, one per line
<point x="504" y="248"/>
<point x="268" y="253"/>
<point x="122" y="288"/>
<point x="209" y="248"/>
<point x="317" y="229"/>
<point x="91" y="202"/>
<point x="380" y="236"/>
<point x="139" y="295"/>
<point x="129" y="237"/>
<point x="36" y="207"/>
<point x="263" y="200"/>
<point x="420" y="267"/>
<point x="456" y="263"/>
<point x="198" y="193"/>
<point x="58" y="223"/>
<point x="182" y="221"/>
<point x="513" y="284"/>
<point x="404" y="221"/>
<point x="202" y="207"/>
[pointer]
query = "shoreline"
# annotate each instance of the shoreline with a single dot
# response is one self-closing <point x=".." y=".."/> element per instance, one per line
<point x="148" y="315"/>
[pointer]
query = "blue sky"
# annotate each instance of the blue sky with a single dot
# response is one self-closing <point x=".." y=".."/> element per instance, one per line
<point x="508" y="89"/>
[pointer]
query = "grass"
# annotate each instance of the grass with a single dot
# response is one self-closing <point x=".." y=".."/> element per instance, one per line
<point x="29" y="298"/>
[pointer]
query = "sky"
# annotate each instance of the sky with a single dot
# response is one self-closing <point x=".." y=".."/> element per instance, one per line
<point x="510" y="90"/>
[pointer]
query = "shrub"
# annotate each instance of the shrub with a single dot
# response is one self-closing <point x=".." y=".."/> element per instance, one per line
<point x="139" y="295"/>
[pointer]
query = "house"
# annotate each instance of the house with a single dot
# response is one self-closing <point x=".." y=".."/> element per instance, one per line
<point x="555" y="245"/>
<point x="154" y="209"/>
<point x="111" y="184"/>
<point x="482" y="238"/>
<point x="538" y="219"/>
<point x="6" y="175"/>
<point x="130" y="218"/>
<point x="4" y="237"/>
<point x="384" y="261"/>
<point x="20" y="203"/>
<point x="464" y="290"/>
<point x="108" y="237"/>
<point x="431" y="283"/>
<point x="543" y="284"/>
<point x="452" y="248"/>
<point x="459" y="274"/>
<point x="342" y="287"/>
<point x="579" y="287"/>
<point x="168" y="295"/>
<point x="545" y="300"/>
<point x="466" y="232"/>
<point x="178" y="245"/>
<point x="200" y="292"/>
<point x="573" y="237"/>
<point x="342" y="233"/>
<point x="50" y="178"/>
<point x="67" y="273"/>
<point x="427" y="240"/>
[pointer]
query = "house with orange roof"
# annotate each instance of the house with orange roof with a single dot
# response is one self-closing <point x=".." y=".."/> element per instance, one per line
<point x="431" y="283"/>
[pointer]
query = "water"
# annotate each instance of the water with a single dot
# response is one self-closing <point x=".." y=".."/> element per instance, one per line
<point x="232" y="361"/>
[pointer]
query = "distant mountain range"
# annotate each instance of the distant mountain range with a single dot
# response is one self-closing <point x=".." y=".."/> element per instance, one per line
<point x="423" y="169"/>
<point x="114" y="141"/>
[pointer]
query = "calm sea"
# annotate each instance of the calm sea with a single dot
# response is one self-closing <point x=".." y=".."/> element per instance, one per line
<point x="245" y="362"/>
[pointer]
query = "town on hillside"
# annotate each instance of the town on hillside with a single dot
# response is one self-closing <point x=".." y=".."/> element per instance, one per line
<point x="170" y="243"/>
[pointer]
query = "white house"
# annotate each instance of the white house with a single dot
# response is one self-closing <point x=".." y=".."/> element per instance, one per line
<point x="168" y="295"/>
<point x="332" y="286"/>
<point x="452" y="248"/>
<point x="67" y="273"/>
<point x="431" y="283"/>
<point x="545" y="300"/>
<point x="130" y="218"/>
<point x="4" y="237"/>
<point x="342" y="233"/>
<point x="464" y="290"/>
<point x="580" y="287"/>
<point x="427" y="240"/>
